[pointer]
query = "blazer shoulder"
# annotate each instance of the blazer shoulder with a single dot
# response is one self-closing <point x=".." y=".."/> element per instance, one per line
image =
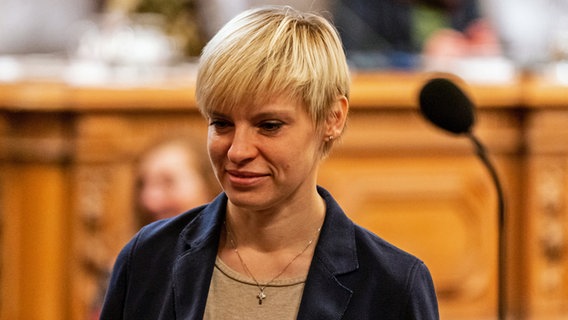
<point x="377" y="251"/>
<point x="170" y="227"/>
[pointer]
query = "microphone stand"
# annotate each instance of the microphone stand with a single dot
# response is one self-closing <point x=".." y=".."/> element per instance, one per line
<point x="501" y="277"/>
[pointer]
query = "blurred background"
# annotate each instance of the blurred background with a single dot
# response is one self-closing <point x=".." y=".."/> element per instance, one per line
<point x="99" y="134"/>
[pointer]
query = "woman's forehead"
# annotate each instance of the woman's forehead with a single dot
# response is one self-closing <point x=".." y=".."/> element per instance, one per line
<point x="260" y="104"/>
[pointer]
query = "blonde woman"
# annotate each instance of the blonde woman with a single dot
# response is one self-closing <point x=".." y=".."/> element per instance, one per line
<point x="273" y="85"/>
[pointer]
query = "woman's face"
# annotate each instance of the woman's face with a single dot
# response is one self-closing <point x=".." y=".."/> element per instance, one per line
<point x="265" y="156"/>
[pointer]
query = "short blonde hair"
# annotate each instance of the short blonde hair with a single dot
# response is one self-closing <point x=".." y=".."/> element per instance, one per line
<point x="269" y="52"/>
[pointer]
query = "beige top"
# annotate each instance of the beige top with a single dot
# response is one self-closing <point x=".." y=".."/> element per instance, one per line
<point x="234" y="296"/>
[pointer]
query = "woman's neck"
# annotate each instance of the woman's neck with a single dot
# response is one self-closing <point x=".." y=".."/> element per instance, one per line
<point x="276" y="229"/>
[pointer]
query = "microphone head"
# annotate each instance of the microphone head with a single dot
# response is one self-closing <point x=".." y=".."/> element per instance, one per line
<point x="446" y="106"/>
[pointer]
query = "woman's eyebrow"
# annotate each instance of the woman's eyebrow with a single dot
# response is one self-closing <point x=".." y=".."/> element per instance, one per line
<point x="216" y="114"/>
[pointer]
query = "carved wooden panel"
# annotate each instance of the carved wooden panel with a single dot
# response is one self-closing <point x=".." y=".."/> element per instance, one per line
<point x="547" y="215"/>
<point x="548" y="236"/>
<point x="102" y="222"/>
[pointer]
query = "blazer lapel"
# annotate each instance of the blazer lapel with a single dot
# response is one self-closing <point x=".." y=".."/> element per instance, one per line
<point x="325" y="297"/>
<point x="193" y="269"/>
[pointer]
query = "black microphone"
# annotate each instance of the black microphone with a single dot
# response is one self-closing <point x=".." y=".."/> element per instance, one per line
<point x="446" y="106"/>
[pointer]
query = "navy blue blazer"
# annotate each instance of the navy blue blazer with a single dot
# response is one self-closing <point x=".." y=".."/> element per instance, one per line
<point x="165" y="270"/>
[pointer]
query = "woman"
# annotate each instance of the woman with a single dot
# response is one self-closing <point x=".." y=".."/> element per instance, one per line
<point x="273" y="84"/>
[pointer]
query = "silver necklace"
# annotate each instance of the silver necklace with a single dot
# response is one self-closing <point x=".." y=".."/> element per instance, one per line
<point x="261" y="294"/>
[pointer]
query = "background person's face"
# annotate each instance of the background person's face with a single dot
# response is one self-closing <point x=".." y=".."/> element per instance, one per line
<point x="170" y="183"/>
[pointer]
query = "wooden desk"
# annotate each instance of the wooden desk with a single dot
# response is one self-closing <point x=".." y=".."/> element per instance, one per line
<point x="66" y="201"/>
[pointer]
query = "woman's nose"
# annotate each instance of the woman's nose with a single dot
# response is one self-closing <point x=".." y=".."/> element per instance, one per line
<point x="242" y="146"/>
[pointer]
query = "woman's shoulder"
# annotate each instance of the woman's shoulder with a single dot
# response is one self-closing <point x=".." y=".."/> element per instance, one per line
<point x="195" y="222"/>
<point x="171" y="226"/>
<point x="159" y="244"/>
<point x="188" y="226"/>
<point x="373" y="249"/>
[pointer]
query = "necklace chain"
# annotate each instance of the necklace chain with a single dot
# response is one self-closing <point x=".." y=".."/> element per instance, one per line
<point x="261" y="294"/>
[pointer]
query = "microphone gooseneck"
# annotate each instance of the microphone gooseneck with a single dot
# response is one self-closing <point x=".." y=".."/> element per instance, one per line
<point x="447" y="107"/>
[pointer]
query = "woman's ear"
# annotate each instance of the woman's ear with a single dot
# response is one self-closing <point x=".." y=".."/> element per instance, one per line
<point x="335" y="122"/>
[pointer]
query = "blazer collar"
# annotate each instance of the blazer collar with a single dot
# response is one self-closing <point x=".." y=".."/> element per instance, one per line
<point x="193" y="268"/>
<point x="325" y="297"/>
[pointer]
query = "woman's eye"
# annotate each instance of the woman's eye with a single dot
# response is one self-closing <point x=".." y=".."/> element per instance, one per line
<point x="271" y="125"/>
<point x="219" y="124"/>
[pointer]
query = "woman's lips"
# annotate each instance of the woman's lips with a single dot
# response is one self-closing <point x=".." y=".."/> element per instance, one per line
<point x="244" y="178"/>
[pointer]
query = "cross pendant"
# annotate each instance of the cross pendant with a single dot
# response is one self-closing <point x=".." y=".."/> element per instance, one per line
<point x="261" y="296"/>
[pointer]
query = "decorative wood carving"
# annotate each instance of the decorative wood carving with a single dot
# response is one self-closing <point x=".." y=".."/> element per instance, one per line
<point x="551" y="226"/>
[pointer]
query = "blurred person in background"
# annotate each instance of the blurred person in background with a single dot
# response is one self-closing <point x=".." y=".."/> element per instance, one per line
<point x="173" y="175"/>
<point x="32" y="26"/>
<point x="192" y="22"/>
<point x="393" y="33"/>
<point x="385" y="33"/>
<point x="215" y="13"/>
